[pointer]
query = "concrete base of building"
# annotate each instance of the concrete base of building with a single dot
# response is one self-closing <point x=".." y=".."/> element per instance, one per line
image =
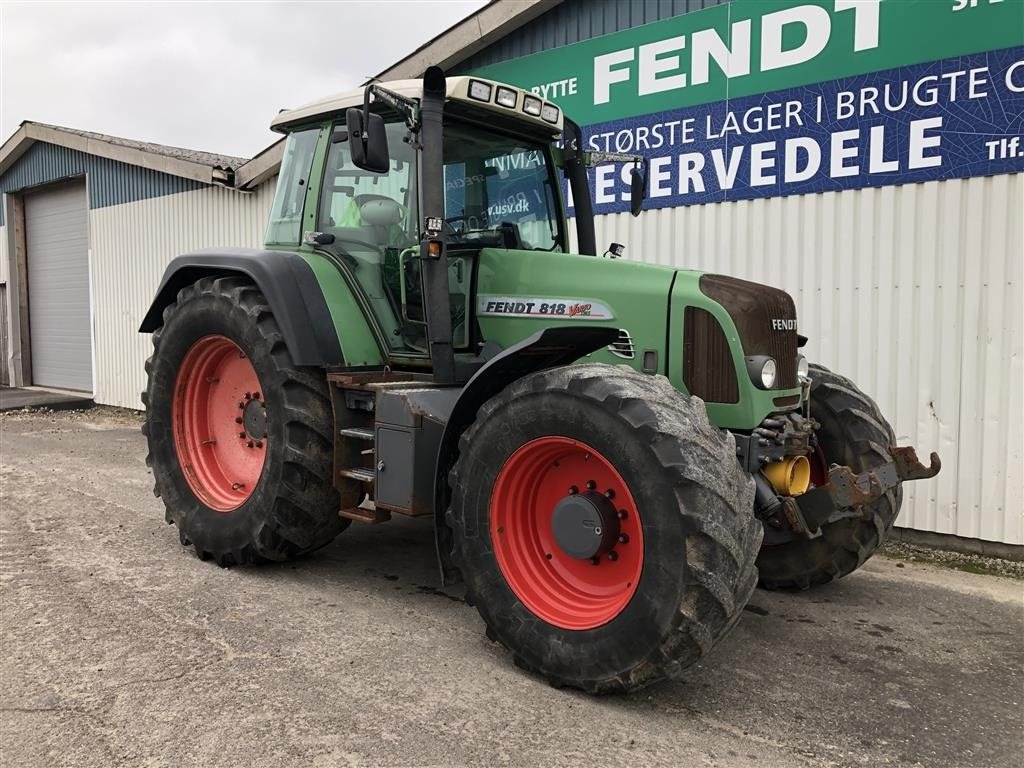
<point x="15" y="398"/>
<point x="951" y="543"/>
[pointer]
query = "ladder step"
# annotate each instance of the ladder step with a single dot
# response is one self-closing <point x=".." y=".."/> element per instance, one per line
<point x="362" y="474"/>
<point x="358" y="433"/>
<point x="366" y="515"/>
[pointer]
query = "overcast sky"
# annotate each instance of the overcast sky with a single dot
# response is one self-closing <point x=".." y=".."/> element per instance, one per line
<point x="202" y="75"/>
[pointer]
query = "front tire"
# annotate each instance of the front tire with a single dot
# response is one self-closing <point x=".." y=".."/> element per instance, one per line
<point x="683" y="536"/>
<point x="855" y="434"/>
<point x="239" y="438"/>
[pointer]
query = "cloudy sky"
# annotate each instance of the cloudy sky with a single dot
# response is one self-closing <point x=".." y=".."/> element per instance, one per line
<point x="203" y="75"/>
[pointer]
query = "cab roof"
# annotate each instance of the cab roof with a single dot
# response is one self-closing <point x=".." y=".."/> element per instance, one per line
<point x="457" y="90"/>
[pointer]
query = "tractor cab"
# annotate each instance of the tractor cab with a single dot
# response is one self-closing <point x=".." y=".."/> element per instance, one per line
<point x="359" y="181"/>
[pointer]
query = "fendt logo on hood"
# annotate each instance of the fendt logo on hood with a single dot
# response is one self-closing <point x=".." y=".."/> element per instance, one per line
<point x="779" y="324"/>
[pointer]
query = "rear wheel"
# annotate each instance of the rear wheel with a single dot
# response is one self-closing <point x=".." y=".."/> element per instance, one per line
<point x="239" y="438"/>
<point x="603" y="526"/>
<point x="855" y="434"/>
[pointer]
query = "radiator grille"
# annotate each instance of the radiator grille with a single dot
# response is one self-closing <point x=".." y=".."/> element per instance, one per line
<point x="708" y="369"/>
<point x="757" y="310"/>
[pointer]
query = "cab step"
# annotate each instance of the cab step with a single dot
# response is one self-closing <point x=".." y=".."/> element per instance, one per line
<point x="363" y="515"/>
<point x="362" y="474"/>
<point x="357" y="433"/>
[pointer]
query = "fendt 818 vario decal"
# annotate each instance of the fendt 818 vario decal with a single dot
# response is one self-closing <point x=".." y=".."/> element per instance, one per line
<point x="612" y="453"/>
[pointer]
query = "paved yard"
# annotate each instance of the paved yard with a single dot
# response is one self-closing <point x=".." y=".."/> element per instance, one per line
<point x="120" y="647"/>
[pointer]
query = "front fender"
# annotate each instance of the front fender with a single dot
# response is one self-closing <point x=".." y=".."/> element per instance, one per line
<point x="548" y="348"/>
<point x="285" y="279"/>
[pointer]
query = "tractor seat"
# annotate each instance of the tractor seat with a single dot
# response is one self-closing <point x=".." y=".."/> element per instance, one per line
<point x="379" y="217"/>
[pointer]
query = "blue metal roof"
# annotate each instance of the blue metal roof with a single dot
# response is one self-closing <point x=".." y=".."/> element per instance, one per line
<point x="574" y="20"/>
<point x="110" y="182"/>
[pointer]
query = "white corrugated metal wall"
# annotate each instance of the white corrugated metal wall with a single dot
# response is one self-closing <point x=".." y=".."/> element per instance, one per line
<point x="131" y="244"/>
<point x="915" y="293"/>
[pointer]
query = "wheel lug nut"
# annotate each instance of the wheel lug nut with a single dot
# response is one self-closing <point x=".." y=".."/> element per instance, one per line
<point x="241" y="404"/>
<point x="595" y="561"/>
<point x="241" y="434"/>
<point x="238" y="419"/>
<point x="613" y="555"/>
<point x="259" y="443"/>
<point x="255" y="395"/>
<point x="609" y="494"/>
<point x="573" y="490"/>
<point x="248" y="395"/>
<point x="622" y="514"/>
<point x="623" y="538"/>
<point x="251" y="444"/>
<point x="591" y="485"/>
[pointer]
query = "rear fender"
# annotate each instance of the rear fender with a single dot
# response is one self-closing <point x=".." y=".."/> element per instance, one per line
<point x="285" y="279"/>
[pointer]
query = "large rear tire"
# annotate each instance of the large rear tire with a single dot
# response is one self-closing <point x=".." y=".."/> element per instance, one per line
<point x="239" y="438"/>
<point x="853" y="433"/>
<point x="666" y="506"/>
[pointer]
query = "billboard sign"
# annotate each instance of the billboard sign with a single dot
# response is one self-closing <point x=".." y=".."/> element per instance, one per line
<point x="753" y="99"/>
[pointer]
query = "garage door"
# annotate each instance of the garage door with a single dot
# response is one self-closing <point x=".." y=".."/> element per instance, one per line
<point x="57" y="244"/>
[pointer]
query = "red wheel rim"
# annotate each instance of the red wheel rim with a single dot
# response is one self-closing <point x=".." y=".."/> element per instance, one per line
<point x="562" y="590"/>
<point x="219" y="423"/>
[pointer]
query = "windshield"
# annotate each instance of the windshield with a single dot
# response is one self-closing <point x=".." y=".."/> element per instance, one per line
<point x="499" y="189"/>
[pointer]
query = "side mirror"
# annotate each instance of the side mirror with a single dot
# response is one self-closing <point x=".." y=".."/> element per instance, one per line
<point x="637" y="189"/>
<point x="369" y="140"/>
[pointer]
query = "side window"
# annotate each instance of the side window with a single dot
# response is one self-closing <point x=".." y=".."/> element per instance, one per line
<point x="285" y="227"/>
<point x="365" y="208"/>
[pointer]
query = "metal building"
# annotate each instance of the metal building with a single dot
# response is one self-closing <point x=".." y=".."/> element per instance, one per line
<point x="87" y="225"/>
<point x="906" y="279"/>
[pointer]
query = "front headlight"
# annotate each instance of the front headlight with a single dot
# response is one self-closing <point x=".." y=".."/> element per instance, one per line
<point x="762" y="371"/>
<point x="803" y="369"/>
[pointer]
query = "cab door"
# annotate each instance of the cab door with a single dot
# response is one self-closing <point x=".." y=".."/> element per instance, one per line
<point x="369" y="222"/>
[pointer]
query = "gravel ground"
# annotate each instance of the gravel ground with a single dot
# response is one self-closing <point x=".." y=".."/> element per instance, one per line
<point x="120" y="648"/>
<point x="961" y="561"/>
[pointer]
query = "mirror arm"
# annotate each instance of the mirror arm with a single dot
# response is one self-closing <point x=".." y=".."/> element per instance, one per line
<point x="592" y="158"/>
<point x="407" y="108"/>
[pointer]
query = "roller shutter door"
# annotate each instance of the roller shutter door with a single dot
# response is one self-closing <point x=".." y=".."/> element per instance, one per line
<point x="57" y="243"/>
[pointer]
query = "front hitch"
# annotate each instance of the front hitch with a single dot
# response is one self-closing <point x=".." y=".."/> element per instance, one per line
<point x="846" y="493"/>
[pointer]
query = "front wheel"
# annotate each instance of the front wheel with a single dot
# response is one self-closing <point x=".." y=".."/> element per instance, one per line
<point x="855" y="434"/>
<point x="603" y="526"/>
<point x="239" y="438"/>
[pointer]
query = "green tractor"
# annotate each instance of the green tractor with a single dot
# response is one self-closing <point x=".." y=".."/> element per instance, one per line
<point x="612" y="454"/>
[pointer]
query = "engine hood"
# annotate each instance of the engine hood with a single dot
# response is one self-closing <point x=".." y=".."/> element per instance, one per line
<point x="520" y="292"/>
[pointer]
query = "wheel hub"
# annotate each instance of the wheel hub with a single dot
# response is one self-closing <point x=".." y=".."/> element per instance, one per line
<point x="585" y="525"/>
<point x="254" y="418"/>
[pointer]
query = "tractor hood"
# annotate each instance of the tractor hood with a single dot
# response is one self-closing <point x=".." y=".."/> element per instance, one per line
<point x="701" y="331"/>
<point x="520" y="292"/>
